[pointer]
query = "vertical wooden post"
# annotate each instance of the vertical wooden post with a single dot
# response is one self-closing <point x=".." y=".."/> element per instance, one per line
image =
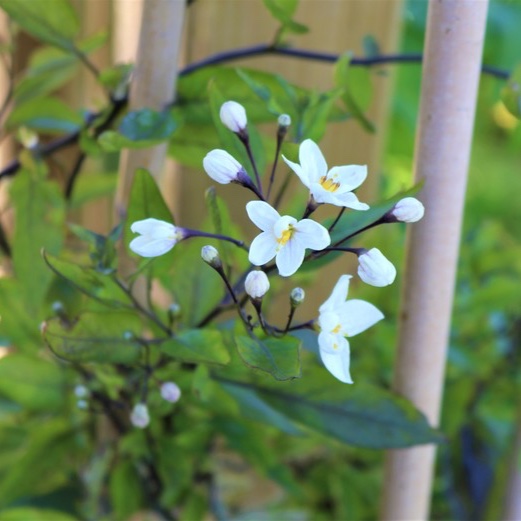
<point x="452" y="59"/>
<point x="153" y="84"/>
<point x="512" y="501"/>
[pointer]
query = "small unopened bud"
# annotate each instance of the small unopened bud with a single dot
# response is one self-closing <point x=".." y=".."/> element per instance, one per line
<point x="210" y="255"/>
<point x="408" y="210"/>
<point x="174" y="310"/>
<point x="82" y="404"/>
<point x="222" y="167"/>
<point x="256" y="284"/>
<point x="284" y="121"/>
<point x="58" y="308"/>
<point x="170" y="392"/>
<point x="28" y="138"/>
<point x="128" y="335"/>
<point x="297" y="296"/>
<point x="139" y="416"/>
<point x="81" y="391"/>
<point x="233" y="116"/>
<point x="375" y="269"/>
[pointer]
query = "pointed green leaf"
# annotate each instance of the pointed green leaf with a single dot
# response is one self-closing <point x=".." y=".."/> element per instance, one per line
<point x="107" y="337"/>
<point x="277" y="356"/>
<point x="198" y="346"/>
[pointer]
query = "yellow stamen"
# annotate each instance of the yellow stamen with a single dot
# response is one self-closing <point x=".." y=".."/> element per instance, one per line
<point x="286" y="235"/>
<point x="329" y="184"/>
<point x="336" y="330"/>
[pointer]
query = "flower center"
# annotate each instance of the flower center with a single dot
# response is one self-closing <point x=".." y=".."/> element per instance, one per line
<point x="329" y="184"/>
<point x="286" y="235"/>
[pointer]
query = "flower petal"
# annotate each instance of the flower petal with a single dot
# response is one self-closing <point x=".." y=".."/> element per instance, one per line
<point x="298" y="170"/>
<point x="332" y="343"/>
<point x="349" y="176"/>
<point x="262" y="215"/>
<point x="153" y="227"/>
<point x="338" y="295"/>
<point x="290" y="258"/>
<point x="338" y="364"/>
<point x="262" y="249"/>
<point x="312" y="235"/>
<point x="357" y="316"/>
<point x="312" y="160"/>
<point x="146" y="246"/>
<point x="349" y="200"/>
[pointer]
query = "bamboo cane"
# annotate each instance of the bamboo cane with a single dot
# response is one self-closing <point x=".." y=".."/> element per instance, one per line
<point x="453" y="48"/>
<point x="153" y="84"/>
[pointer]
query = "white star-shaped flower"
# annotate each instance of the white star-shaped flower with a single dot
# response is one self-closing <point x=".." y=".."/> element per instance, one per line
<point x="338" y="319"/>
<point x="283" y="237"/>
<point x="332" y="186"/>
<point x="156" y="237"/>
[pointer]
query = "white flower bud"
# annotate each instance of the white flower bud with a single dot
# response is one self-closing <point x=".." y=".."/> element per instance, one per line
<point x="57" y="307"/>
<point x="297" y="296"/>
<point x="284" y="120"/>
<point x="82" y="404"/>
<point x="221" y="166"/>
<point x="233" y="116"/>
<point x="174" y="309"/>
<point x="210" y="255"/>
<point x="408" y="210"/>
<point x="80" y="391"/>
<point x="170" y="392"/>
<point x="256" y="284"/>
<point x="139" y="416"/>
<point x="375" y="269"/>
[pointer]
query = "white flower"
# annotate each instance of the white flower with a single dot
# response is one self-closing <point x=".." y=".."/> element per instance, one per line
<point x="338" y="319"/>
<point x="334" y="186"/>
<point x="170" y="392"/>
<point x="139" y="416"/>
<point x="156" y="237"/>
<point x="233" y="116"/>
<point x="284" y="238"/>
<point x="408" y="210"/>
<point x="256" y="284"/>
<point x="222" y="167"/>
<point x="375" y="269"/>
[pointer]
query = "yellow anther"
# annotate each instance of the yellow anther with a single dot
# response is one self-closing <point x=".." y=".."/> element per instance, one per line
<point x="329" y="184"/>
<point x="286" y="235"/>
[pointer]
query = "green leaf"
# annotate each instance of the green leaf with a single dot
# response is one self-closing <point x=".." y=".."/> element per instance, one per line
<point x="277" y="356"/>
<point x="361" y="415"/>
<point x="254" y="408"/>
<point x="357" y="89"/>
<point x="511" y="92"/>
<point x="35" y="514"/>
<point x="283" y="11"/>
<point x="95" y="284"/>
<point x="108" y="337"/>
<point x="35" y="384"/>
<point x="52" y="21"/>
<point x="126" y="490"/>
<point x="48" y="115"/>
<point x="40" y="214"/>
<point x="198" y="346"/>
<point x="148" y="125"/>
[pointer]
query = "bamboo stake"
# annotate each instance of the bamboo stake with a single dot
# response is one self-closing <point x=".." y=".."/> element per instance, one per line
<point x="453" y="49"/>
<point x="512" y="501"/>
<point x="153" y="84"/>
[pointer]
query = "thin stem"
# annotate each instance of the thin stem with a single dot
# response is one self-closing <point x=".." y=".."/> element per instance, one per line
<point x="197" y="233"/>
<point x="74" y="174"/>
<point x="280" y="139"/>
<point x="246" y="142"/>
<point x="335" y="222"/>
<point x="151" y="316"/>
<point x="282" y="190"/>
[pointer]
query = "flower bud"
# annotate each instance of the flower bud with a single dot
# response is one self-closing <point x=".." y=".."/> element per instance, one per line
<point x="139" y="416"/>
<point x="82" y="404"/>
<point x="284" y="120"/>
<point x="233" y="116"/>
<point x="222" y="167"/>
<point x="210" y="255"/>
<point x="375" y="269"/>
<point x="297" y="296"/>
<point x="80" y="391"/>
<point x="174" y="310"/>
<point x="408" y="210"/>
<point x="170" y="392"/>
<point x="256" y="284"/>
